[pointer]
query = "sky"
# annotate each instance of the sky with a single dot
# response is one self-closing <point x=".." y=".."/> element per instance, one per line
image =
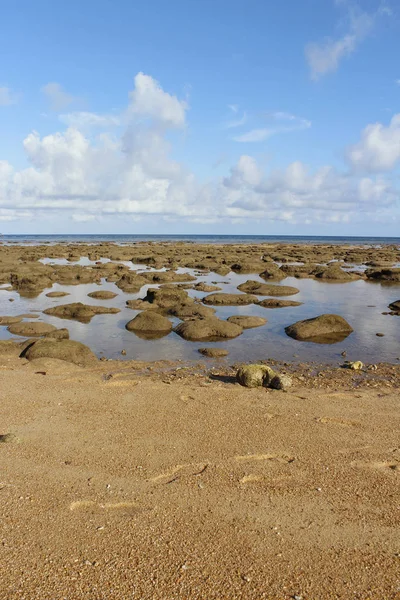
<point x="200" y="117"/>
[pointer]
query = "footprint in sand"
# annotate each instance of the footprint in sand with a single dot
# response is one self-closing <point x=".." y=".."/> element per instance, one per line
<point x="384" y="466"/>
<point x="283" y="458"/>
<point x="180" y="471"/>
<point x="92" y="506"/>
<point x="337" y="421"/>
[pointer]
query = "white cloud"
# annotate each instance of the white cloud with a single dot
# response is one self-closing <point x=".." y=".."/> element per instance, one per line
<point x="7" y="96"/>
<point x="57" y="97"/>
<point x="87" y="120"/>
<point x="149" y="100"/>
<point x="324" y="57"/>
<point x="130" y="173"/>
<point x="281" y="122"/>
<point x="379" y="147"/>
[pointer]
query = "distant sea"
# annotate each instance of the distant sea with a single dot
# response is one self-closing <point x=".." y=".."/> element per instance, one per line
<point x="199" y="239"/>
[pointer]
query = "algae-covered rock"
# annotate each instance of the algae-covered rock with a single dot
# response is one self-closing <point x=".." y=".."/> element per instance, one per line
<point x="67" y="350"/>
<point x="255" y="375"/>
<point x="247" y="322"/>
<point x="78" y="311"/>
<point x="325" y="329"/>
<point x="210" y="328"/>
<point x="213" y="352"/>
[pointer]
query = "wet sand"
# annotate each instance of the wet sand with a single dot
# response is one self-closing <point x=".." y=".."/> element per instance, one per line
<point x="152" y="481"/>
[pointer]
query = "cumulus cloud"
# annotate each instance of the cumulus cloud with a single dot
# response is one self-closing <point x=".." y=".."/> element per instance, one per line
<point x="324" y="57"/>
<point x="7" y="96"/>
<point x="58" y="98"/>
<point x="129" y="171"/>
<point x="378" y="149"/>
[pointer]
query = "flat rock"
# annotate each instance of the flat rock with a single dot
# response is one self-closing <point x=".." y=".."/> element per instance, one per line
<point x="210" y="328"/>
<point x="10" y="320"/>
<point x="79" y="312"/>
<point x="102" y="295"/>
<point x="267" y="289"/>
<point x="278" y="303"/>
<point x="28" y="329"/>
<point x="230" y="299"/>
<point x="206" y="287"/>
<point x="213" y="352"/>
<point x="324" y="329"/>
<point x="247" y="322"/>
<point x="57" y="294"/>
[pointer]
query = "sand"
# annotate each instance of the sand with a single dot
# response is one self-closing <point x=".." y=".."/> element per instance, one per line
<point x="123" y="481"/>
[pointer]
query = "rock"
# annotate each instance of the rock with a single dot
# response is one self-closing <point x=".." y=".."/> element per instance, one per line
<point x="210" y="328"/>
<point x="213" y="352"/>
<point x="130" y="282"/>
<point x="248" y="266"/>
<point x="102" y="295"/>
<point x="10" y="320"/>
<point x="354" y="365"/>
<point x="79" y="312"/>
<point x="139" y="304"/>
<point x="333" y="272"/>
<point x="230" y="299"/>
<point x="281" y="382"/>
<point x="383" y="274"/>
<point x="247" y="322"/>
<point x="9" y="438"/>
<point x="28" y="329"/>
<point x="150" y="322"/>
<point x="57" y="294"/>
<point x="58" y="334"/>
<point x="255" y="375"/>
<point x="191" y="310"/>
<point x="273" y="273"/>
<point x="380" y="334"/>
<point x="166" y="276"/>
<point x="205" y="287"/>
<point x="123" y="352"/>
<point x="9" y="348"/>
<point x="277" y="303"/>
<point x="66" y="350"/>
<point x="324" y="329"/>
<point x="395" y="306"/>
<point x="166" y="297"/>
<point x="267" y="289"/>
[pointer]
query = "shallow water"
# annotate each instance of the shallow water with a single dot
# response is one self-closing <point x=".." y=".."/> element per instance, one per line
<point x="360" y="303"/>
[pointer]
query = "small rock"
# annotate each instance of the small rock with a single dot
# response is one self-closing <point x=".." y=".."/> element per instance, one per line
<point x="354" y="365"/>
<point x="255" y="375"/>
<point x="281" y="382"/>
<point x="380" y="334"/>
<point x="123" y="352"/>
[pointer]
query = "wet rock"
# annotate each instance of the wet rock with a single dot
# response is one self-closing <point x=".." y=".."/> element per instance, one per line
<point x="166" y="297"/>
<point x="273" y="273"/>
<point x="166" y="276"/>
<point x="391" y="275"/>
<point x="150" y="322"/>
<point x="205" y="287"/>
<point x="10" y="320"/>
<point x="130" y="282"/>
<point x="334" y="272"/>
<point x="58" y="334"/>
<point x="324" y="329"/>
<point x="67" y="350"/>
<point x="380" y="334"/>
<point x="210" y="328"/>
<point x="267" y="289"/>
<point x="102" y="295"/>
<point x="277" y="303"/>
<point x="230" y="299"/>
<point x="57" y="294"/>
<point x="191" y="310"/>
<point x="247" y="322"/>
<point x="248" y="266"/>
<point x="79" y="312"/>
<point x="395" y="306"/>
<point x="255" y="375"/>
<point x="139" y="304"/>
<point x="213" y="352"/>
<point x="281" y="382"/>
<point x="28" y="329"/>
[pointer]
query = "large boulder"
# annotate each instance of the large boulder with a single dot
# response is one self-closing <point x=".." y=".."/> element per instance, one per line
<point x="230" y="299"/>
<point x="29" y="329"/>
<point x="210" y="328"/>
<point x="278" y="303"/>
<point x="102" y="295"/>
<point x="79" y="312"/>
<point x="247" y="322"/>
<point x="166" y="297"/>
<point x="149" y="321"/>
<point x="324" y="329"/>
<point x="67" y="350"/>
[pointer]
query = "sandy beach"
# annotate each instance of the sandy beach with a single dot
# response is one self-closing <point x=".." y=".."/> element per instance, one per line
<point x="167" y="479"/>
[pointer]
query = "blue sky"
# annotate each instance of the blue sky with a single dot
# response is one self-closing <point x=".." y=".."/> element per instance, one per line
<point x="200" y="117"/>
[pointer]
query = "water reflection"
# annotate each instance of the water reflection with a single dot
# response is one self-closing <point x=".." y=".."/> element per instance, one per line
<point x="360" y="303"/>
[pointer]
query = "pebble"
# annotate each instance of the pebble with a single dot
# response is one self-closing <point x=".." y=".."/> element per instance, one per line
<point x="380" y="334"/>
<point x="123" y="352"/>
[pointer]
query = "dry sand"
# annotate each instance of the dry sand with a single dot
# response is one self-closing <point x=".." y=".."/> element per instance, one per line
<point x="133" y="487"/>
